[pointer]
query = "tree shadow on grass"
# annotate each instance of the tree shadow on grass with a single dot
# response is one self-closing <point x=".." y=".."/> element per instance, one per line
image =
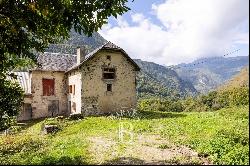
<point x="29" y="123"/>
<point x="63" y="160"/>
<point x="136" y="161"/>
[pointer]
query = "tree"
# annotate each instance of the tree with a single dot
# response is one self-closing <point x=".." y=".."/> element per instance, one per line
<point x="29" y="26"/>
<point x="11" y="97"/>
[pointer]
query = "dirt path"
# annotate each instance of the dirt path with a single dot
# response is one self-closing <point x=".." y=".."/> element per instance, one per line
<point x="145" y="149"/>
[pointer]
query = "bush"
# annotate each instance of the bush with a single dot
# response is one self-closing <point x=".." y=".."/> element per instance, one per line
<point x="11" y="97"/>
<point x="234" y="97"/>
<point x="24" y="144"/>
<point x="228" y="147"/>
<point x="76" y="116"/>
<point x="216" y="100"/>
<point x="165" y="105"/>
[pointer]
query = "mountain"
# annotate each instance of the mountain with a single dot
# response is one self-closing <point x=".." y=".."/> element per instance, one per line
<point x="238" y="80"/>
<point x="69" y="46"/>
<point x="157" y="80"/>
<point x="153" y="80"/>
<point x="209" y="73"/>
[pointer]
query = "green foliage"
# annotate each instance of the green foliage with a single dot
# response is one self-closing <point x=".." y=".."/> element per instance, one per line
<point x="234" y="96"/>
<point x="27" y="26"/>
<point x="222" y="136"/>
<point x="213" y="101"/>
<point x="158" y="81"/>
<point x="166" y="105"/>
<point x="23" y="144"/>
<point x="228" y="146"/>
<point x="70" y="45"/>
<point x="10" y="102"/>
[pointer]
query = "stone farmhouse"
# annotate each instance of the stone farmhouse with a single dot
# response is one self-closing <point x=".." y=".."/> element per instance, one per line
<point x="100" y="82"/>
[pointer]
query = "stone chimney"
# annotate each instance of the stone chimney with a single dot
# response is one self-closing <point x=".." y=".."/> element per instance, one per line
<point x="80" y="54"/>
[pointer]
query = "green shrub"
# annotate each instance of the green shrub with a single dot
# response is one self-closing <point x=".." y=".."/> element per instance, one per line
<point x="228" y="147"/>
<point x="216" y="100"/>
<point x="164" y="105"/>
<point x="12" y="145"/>
<point x="11" y="96"/>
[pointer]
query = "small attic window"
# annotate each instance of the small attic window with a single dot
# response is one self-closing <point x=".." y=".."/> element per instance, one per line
<point x="109" y="73"/>
<point x="108" y="57"/>
<point x="109" y="87"/>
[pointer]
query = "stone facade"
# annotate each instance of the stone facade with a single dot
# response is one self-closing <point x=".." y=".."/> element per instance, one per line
<point x="41" y="105"/>
<point x="74" y="98"/>
<point x="100" y="82"/>
<point x="95" y="96"/>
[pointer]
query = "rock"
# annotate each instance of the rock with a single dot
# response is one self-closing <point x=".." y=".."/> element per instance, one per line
<point x="76" y="116"/>
<point x="50" y="129"/>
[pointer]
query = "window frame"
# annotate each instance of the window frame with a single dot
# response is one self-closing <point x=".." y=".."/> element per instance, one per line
<point x="111" y="71"/>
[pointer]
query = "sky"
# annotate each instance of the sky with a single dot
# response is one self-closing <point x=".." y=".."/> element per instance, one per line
<point x="170" y="32"/>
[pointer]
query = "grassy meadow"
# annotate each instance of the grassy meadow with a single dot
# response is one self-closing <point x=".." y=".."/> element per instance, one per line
<point x="153" y="137"/>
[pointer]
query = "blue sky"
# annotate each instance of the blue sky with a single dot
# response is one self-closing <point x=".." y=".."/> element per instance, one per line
<point x="180" y="31"/>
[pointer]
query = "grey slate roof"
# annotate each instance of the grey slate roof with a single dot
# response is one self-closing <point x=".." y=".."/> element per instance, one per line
<point x="55" y="61"/>
<point x="65" y="62"/>
<point x="106" y="46"/>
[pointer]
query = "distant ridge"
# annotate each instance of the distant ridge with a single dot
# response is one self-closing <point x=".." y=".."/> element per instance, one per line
<point x="155" y="80"/>
<point x="239" y="80"/>
<point x="69" y="46"/>
<point x="214" y="72"/>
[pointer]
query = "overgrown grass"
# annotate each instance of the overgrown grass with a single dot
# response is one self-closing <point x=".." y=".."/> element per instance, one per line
<point x="222" y="135"/>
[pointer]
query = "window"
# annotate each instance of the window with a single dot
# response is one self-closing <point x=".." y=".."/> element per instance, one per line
<point x="108" y="57"/>
<point x="108" y="73"/>
<point x="72" y="89"/>
<point x="48" y="87"/>
<point x="109" y="87"/>
<point x="74" y="107"/>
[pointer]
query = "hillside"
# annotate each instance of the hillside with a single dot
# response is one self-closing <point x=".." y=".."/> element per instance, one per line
<point x="217" y="137"/>
<point x="75" y="39"/>
<point x="157" y="80"/>
<point x="238" y="80"/>
<point x="209" y="73"/>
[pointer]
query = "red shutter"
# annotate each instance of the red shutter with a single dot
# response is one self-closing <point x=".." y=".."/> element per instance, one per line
<point x="48" y="87"/>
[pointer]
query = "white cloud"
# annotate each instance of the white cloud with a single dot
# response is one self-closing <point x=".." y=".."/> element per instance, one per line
<point x="192" y="29"/>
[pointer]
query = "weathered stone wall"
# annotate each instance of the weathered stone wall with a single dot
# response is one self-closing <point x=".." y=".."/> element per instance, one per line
<point x="74" y="78"/>
<point x="26" y="109"/>
<point x="40" y="104"/>
<point x="95" y="97"/>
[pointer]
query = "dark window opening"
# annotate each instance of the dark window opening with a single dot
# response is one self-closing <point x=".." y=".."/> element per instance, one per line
<point x="73" y="89"/>
<point x="74" y="107"/>
<point x="70" y="89"/>
<point x="108" y="57"/>
<point x="48" y="87"/>
<point x="109" y="87"/>
<point x="109" y="73"/>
